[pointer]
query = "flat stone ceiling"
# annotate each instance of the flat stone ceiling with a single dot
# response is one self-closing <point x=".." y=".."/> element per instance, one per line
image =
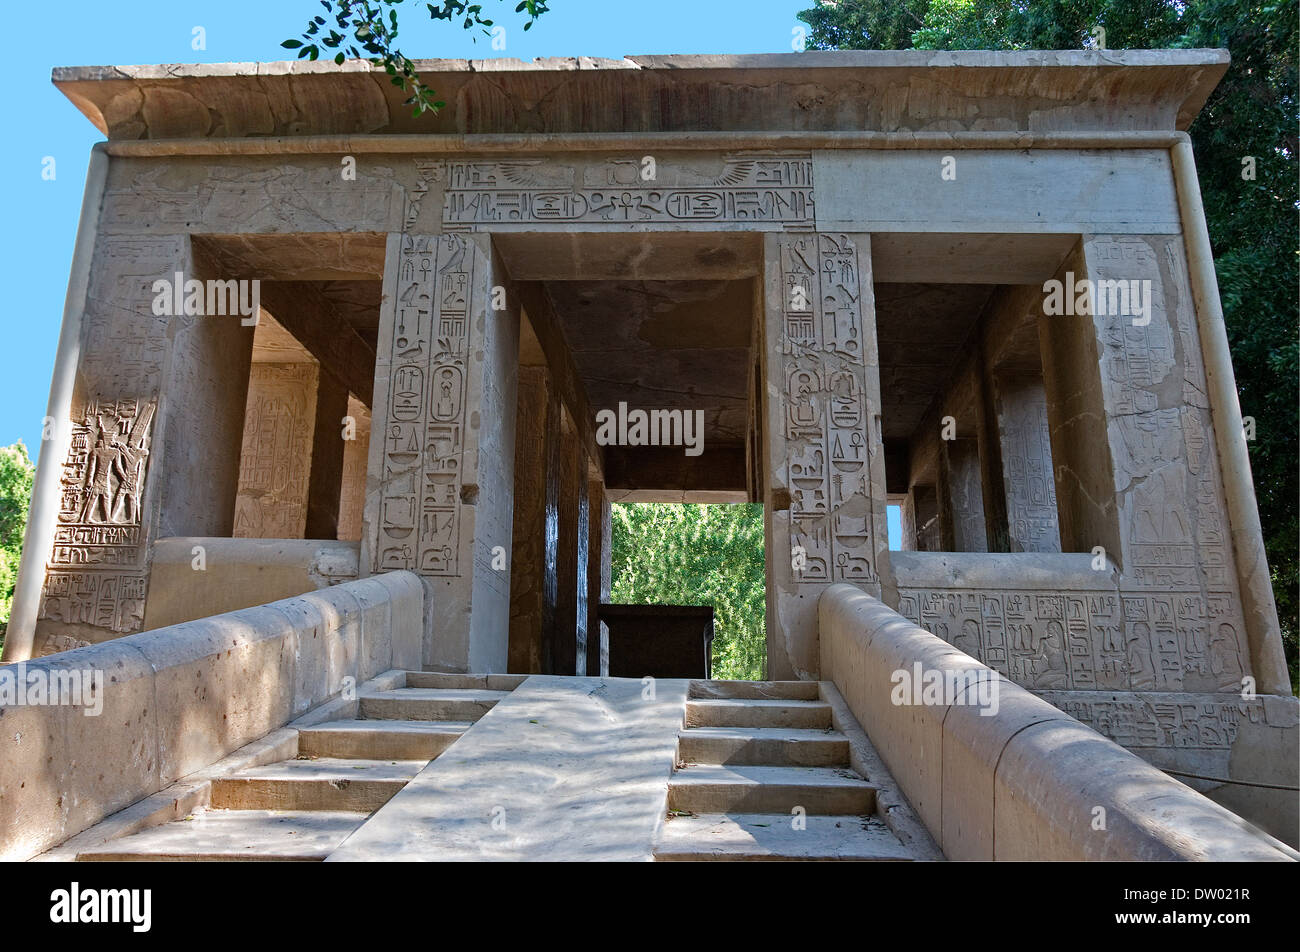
<point x="922" y="331"/>
<point x="662" y="345"/>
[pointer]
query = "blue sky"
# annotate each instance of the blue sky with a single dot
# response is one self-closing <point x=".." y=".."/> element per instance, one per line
<point x="42" y="215"/>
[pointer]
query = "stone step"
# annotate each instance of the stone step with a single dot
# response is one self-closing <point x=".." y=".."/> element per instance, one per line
<point x="775" y="746"/>
<point x="773" y="836"/>
<point x="323" y="784"/>
<point x="380" y="739"/>
<point x="487" y="682"/>
<point x="747" y="789"/>
<point x="225" y="835"/>
<point x="758" y="713"/>
<point x="429" y="704"/>
<point x="757" y="690"/>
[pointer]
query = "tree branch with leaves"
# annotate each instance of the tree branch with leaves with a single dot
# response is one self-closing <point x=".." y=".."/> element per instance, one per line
<point x="368" y="29"/>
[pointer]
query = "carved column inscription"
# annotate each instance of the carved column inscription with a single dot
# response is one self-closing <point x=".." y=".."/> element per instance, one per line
<point x="424" y="436"/>
<point x="826" y="411"/>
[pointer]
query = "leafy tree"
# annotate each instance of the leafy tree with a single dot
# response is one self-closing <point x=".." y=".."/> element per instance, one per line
<point x="16" y="475"/>
<point x="672" y="554"/>
<point x="1253" y="225"/>
<point x="361" y="30"/>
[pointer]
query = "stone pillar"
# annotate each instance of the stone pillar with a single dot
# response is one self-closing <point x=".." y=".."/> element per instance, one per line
<point x="352" y="490"/>
<point x="151" y="445"/>
<point x="536" y="524"/>
<point x="925" y="519"/>
<point x="598" y="576"/>
<point x="570" y="647"/>
<point x="1182" y="615"/>
<point x="961" y="466"/>
<point x="826" y="493"/>
<point x="1025" y="442"/>
<point x="47" y="501"/>
<point x="276" y="457"/>
<point x="328" y="449"/>
<point x="907" y="523"/>
<point x="440" y="503"/>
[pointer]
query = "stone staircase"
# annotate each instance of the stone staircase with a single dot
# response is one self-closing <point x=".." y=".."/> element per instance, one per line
<point x="743" y="771"/>
<point x="304" y="807"/>
<point x="763" y="775"/>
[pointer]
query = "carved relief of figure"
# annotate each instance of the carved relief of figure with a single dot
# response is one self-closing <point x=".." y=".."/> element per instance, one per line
<point x="101" y="465"/>
<point x="1142" y="673"/>
<point x="1225" y="662"/>
<point x="131" y="457"/>
<point x="1055" y="674"/>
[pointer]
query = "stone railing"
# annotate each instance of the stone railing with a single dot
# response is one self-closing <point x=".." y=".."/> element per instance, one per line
<point x="141" y="712"/>
<point x="1015" y="779"/>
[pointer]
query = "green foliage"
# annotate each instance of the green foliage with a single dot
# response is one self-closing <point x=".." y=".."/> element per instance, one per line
<point x="16" y="475"/>
<point x="670" y="554"/>
<point x="361" y="28"/>
<point x="1253" y="225"/>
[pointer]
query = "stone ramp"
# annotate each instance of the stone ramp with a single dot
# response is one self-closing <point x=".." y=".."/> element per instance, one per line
<point x="562" y="769"/>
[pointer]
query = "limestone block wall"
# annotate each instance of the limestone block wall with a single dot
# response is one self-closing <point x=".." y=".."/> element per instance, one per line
<point x="1024" y="783"/>
<point x="178" y="699"/>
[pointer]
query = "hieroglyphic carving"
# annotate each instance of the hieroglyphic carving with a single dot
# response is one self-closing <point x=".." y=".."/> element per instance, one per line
<point x="424" y="438"/>
<point x="95" y="572"/>
<point x="1166" y="721"/>
<point x="1089" y="640"/>
<point x="97" y="543"/>
<point x="427" y="171"/>
<point x="826" y="414"/>
<point x="275" y="460"/>
<point x="752" y="190"/>
<point x="1167" y="474"/>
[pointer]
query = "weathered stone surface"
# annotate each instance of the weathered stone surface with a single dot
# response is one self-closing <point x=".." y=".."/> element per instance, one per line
<point x="1024" y="781"/>
<point x="912" y="90"/>
<point x="561" y="769"/>
<point x="839" y="258"/>
<point x="178" y="699"/>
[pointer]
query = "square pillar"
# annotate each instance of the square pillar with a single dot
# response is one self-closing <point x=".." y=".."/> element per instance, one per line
<point x="960" y="464"/>
<point x="570" y="649"/>
<point x="352" y="489"/>
<point x="825" y="507"/>
<point x="328" y="449"/>
<point x="442" y="460"/>
<point x="600" y="522"/>
<point x="276" y="457"/>
<point x="536" y="524"/>
<point x="1026" y="450"/>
